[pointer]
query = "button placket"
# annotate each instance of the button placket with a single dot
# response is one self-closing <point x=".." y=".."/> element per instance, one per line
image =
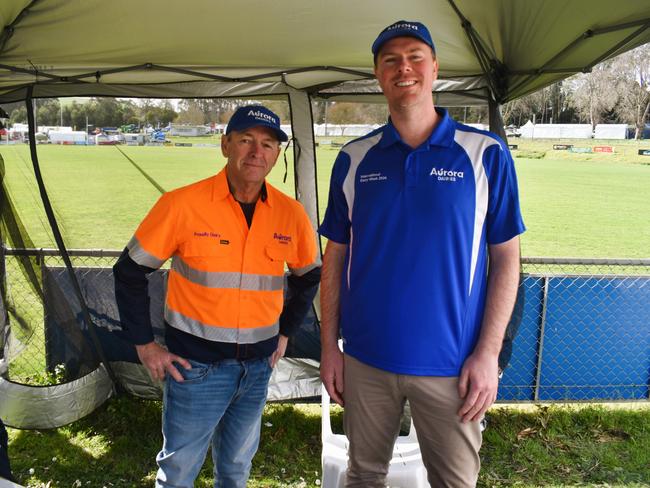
<point x="410" y="169"/>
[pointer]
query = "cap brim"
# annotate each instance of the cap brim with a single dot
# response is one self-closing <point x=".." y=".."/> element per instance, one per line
<point x="379" y="43"/>
<point x="281" y="135"/>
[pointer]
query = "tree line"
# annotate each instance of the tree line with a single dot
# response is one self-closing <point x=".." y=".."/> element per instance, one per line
<point x="616" y="91"/>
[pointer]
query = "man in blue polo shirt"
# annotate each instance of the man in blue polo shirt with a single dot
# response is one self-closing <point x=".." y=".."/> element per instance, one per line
<point x="420" y="273"/>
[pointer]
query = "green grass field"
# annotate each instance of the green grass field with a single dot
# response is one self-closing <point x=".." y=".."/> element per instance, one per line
<point x="574" y="205"/>
<point x="539" y="446"/>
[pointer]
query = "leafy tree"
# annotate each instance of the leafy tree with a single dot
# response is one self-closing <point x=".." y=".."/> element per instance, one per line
<point x="212" y="110"/>
<point x="318" y="111"/>
<point x="48" y="112"/>
<point x="18" y="115"/>
<point x="594" y="94"/>
<point x="191" y="114"/>
<point x="633" y="72"/>
<point x="343" y="113"/>
<point x="156" y="114"/>
<point x="470" y="114"/>
<point x="78" y="114"/>
<point x="280" y="107"/>
<point x="356" y="113"/>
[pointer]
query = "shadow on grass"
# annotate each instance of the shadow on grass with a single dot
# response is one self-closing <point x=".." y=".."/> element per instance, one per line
<point x="290" y="446"/>
<point x="114" y="446"/>
<point x="547" y="446"/>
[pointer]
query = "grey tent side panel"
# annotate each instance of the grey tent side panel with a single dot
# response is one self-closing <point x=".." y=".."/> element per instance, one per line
<point x="46" y="407"/>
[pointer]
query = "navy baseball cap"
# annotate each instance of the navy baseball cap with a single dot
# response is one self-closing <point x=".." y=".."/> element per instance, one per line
<point x="403" y="28"/>
<point x="253" y="116"/>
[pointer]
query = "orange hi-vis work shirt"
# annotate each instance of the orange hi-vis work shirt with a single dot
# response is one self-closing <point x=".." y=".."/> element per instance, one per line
<point x="226" y="280"/>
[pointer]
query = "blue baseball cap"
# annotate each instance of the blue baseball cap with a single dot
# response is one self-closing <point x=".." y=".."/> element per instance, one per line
<point x="403" y="28"/>
<point x="253" y="116"/>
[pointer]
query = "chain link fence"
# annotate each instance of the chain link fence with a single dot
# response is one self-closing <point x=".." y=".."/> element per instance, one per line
<point x="584" y="333"/>
<point x="38" y="303"/>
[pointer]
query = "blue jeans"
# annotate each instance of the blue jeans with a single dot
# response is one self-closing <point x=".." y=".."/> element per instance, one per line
<point x="220" y="402"/>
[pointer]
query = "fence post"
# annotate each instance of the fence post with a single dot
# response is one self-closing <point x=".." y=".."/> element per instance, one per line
<point x="540" y="350"/>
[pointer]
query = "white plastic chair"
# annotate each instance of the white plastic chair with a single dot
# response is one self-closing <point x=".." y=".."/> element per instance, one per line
<point x="4" y="483"/>
<point x="406" y="469"/>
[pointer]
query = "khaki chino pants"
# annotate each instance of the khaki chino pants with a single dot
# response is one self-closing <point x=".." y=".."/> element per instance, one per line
<point x="374" y="401"/>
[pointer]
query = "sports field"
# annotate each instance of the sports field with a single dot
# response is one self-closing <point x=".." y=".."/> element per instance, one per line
<point x="584" y="205"/>
<point x="574" y="205"/>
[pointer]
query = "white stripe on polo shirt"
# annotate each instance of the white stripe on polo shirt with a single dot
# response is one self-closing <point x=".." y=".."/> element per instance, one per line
<point x="475" y="145"/>
<point x="356" y="151"/>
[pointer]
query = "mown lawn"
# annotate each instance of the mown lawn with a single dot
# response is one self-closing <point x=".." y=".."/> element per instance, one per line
<point x="574" y="205"/>
<point x="558" y="446"/>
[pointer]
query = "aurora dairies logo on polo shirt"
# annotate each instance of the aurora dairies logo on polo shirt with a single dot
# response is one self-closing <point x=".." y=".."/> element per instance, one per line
<point x="281" y="238"/>
<point x="372" y="177"/>
<point x="446" y="175"/>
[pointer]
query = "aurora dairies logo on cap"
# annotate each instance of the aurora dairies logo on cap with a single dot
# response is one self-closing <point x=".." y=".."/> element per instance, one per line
<point x="258" y="114"/>
<point x="402" y="25"/>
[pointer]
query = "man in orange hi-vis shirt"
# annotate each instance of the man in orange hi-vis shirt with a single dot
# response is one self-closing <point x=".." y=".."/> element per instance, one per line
<point x="226" y="326"/>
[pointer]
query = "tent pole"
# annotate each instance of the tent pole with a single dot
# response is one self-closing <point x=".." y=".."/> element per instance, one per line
<point x="4" y="315"/>
<point x="496" y="121"/>
<point x="304" y="163"/>
<point x="31" y="121"/>
<point x="304" y="156"/>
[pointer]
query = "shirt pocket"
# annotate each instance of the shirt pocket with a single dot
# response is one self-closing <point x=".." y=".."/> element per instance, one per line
<point x="280" y="253"/>
<point x="207" y="249"/>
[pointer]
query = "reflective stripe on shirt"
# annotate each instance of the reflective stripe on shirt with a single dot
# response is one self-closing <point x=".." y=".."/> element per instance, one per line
<point x="217" y="279"/>
<point x="142" y="257"/>
<point x="219" y="333"/>
<point x="306" y="269"/>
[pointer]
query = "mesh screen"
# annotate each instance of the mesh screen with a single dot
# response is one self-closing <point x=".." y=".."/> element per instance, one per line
<point x="584" y="332"/>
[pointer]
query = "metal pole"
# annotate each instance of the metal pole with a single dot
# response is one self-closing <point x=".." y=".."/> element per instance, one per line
<point x="496" y="122"/>
<point x="540" y="350"/>
<point x="4" y="315"/>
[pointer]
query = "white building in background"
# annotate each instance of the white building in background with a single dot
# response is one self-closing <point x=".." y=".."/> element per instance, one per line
<point x="332" y="130"/>
<point x="188" y="130"/>
<point x="135" y="139"/>
<point x="611" y="131"/>
<point x="46" y="129"/>
<point x="67" y="137"/>
<point x="556" y="131"/>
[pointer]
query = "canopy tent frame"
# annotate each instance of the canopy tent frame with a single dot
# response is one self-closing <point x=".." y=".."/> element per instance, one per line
<point x="498" y="75"/>
<point x="482" y="66"/>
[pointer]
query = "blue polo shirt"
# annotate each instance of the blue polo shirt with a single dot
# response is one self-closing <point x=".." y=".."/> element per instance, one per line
<point x="417" y="223"/>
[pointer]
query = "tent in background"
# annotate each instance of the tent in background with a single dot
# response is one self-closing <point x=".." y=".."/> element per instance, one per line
<point x="610" y="131"/>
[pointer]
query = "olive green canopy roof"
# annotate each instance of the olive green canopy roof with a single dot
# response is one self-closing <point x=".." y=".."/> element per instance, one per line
<point x="172" y="48"/>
